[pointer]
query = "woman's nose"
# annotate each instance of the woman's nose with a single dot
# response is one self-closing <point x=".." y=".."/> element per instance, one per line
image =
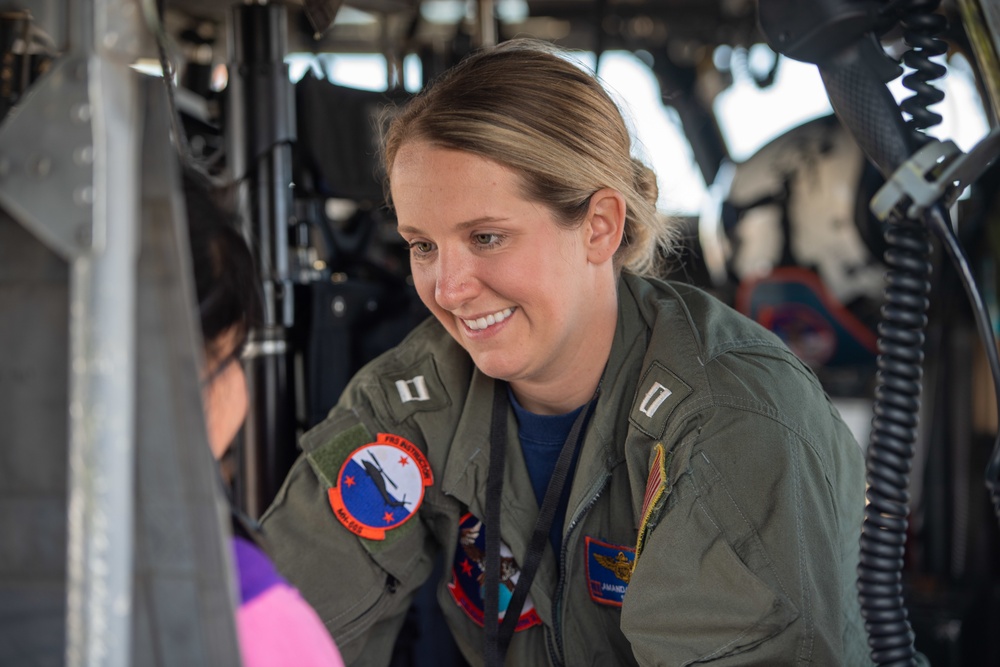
<point x="456" y="282"/>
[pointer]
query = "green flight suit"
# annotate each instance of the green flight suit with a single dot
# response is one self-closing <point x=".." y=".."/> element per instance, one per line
<point x="709" y="436"/>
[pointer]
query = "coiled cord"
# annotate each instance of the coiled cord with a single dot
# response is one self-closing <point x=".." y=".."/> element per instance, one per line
<point x="897" y="391"/>
<point x="921" y="26"/>
<point x="890" y="450"/>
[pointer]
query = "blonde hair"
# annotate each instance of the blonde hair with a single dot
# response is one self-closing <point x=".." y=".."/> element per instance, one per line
<point x="525" y="106"/>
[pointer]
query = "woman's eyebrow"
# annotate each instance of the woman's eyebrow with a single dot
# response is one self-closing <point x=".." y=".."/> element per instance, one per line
<point x="409" y="229"/>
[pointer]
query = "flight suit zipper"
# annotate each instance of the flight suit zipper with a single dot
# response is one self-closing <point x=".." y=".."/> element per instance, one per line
<point x="559" y="655"/>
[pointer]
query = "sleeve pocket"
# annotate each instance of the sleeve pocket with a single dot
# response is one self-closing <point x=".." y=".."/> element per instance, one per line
<point x="691" y="599"/>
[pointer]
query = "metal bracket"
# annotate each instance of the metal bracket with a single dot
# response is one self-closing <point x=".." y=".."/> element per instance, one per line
<point x="46" y="160"/>
<point x="938" y="172"/>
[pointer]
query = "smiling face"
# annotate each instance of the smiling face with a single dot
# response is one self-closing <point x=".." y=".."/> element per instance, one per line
<point x="532" y="301"/>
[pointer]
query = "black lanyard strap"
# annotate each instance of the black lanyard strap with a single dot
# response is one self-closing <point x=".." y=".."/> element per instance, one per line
<point x="498" y="638"/>
<point x="494" y="487"/>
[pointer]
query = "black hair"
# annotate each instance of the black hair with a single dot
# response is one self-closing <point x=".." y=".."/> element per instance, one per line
<point x="225" y="275"/>
<point x="227" y="286"/>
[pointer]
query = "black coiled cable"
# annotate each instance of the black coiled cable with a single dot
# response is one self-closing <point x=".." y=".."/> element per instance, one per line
<point x="897" y="391"/>
<point x="921" y="26"/>
<point x="890" y="449"/>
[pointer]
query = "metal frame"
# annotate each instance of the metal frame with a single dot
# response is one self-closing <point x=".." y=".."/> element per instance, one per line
<point x="86" y="168"/>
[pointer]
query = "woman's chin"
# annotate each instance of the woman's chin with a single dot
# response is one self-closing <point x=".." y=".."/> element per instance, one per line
<point x="495" y="366"/>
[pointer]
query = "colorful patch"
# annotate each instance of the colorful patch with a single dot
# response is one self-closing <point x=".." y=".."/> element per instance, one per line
<point x="656" y="486"/>
<point x="466" y="586"/>
<point x="609" y="569"/>
<point x="380" y="486"/>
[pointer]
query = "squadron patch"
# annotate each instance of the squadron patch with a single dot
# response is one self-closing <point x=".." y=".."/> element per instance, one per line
<point x="609" y="569"/>
<point x="466" y="586"/>
<point x="380" y="486"/>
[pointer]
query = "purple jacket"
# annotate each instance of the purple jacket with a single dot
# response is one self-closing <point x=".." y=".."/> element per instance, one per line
<point x="276" y="626"/>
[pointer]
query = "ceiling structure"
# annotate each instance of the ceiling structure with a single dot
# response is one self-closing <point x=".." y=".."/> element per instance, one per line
<point x="376" y="26"/>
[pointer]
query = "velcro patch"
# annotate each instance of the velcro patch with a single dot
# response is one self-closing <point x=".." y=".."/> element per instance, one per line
<point x="380" y="486"/>
<point x="659" y="392"/>
<point x="326" y="452"/>
<point x="656" y="488"/>
<point x="609" y="569"/>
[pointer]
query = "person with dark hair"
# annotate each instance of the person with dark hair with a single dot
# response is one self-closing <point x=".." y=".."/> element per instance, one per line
<point x="617" y="470"/>
<point x="276" y="627"/>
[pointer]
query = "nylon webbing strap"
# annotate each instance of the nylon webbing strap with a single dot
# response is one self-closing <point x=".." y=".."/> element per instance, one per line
<point x="497" y="640"/>
<point x="494" y="487"/>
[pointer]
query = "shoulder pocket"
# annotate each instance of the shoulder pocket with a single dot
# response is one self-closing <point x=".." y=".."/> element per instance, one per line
<point x="691" y="598"/>
<point x="374" y="486"/>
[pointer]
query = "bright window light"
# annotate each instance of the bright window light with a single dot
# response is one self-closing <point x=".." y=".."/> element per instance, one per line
<point x="366" y="71"/>
<point x="750" y="117"/>
<point x="659" y="138"/>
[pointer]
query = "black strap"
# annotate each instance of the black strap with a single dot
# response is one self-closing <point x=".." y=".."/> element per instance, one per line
<point x="494" y="487"/>
<point x="498" y="639"/>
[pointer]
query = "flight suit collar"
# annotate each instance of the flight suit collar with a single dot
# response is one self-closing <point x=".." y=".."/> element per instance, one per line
<point x="602" y="449"/>
<point x="465" y="473"/>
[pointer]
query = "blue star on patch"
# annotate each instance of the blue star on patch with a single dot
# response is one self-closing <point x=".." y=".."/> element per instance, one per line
<point x="609" y="569"/>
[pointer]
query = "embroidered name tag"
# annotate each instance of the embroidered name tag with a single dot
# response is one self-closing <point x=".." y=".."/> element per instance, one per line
<point x="466" y="586"/>
<point x="380" y="486"/>
<point x="609" y="569"/>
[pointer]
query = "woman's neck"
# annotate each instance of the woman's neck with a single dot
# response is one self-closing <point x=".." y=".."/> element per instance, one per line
<point x="572" y="387"/>
<point x="548" y="400"/>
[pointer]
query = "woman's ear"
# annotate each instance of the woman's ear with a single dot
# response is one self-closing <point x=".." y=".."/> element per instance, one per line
<point x="605" y="224"/>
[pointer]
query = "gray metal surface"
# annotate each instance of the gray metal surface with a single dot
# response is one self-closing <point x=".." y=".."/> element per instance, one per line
<point x="102" y="383"/>
<point x="46" y="159"/>
<point x="181" y="575"/>
<point x="184" y="612"/>
<point x="34" y="344"/>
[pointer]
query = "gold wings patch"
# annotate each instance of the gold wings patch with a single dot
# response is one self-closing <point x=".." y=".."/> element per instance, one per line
<point x="620" y="565"/>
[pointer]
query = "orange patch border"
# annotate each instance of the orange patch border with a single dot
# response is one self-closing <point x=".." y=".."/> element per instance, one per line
<point x="337" y="501"/>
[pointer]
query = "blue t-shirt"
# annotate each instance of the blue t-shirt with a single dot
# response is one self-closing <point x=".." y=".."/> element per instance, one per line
<point x="542" y="438"/>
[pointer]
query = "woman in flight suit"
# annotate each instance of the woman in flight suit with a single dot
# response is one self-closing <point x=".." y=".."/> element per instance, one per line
<point x="618" y="470"/>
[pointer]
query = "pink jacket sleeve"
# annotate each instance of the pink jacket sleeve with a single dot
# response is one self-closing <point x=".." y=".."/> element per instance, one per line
<point x="276" y="626"/>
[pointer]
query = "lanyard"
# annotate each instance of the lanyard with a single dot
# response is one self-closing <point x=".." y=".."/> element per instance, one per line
<point x="498" y="636"/>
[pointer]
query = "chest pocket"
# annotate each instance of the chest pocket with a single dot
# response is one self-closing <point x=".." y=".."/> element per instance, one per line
<point x="467" y="575"/>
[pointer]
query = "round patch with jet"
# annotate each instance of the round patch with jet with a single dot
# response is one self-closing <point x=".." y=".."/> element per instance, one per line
<point x="467" y="579"/>
<point x="380" y="486"/>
